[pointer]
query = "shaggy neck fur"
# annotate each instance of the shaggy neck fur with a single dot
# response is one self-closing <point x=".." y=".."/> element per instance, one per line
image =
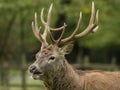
<point x="65" y="79"/>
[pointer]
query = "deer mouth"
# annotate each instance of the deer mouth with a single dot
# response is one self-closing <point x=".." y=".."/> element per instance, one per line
<point x="37" y="74"/>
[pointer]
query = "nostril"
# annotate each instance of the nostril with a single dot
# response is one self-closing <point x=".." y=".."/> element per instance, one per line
<point x="32" y="69"/>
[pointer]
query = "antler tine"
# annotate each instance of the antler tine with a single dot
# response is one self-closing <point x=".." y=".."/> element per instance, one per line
<point x="92" y="14"/>
<point x="58" y="29"/>
<point x="49" y="14"/>
<point x="93" y="24"/>
<point x="41" y="17"/>
<point x="36" y="30"/>
<point x="47" y="24"/>
<point x="96" y="22"/>
<point x="59" y="39"/>
<point x="63" y="31"/>
<point x="75" y="31"/>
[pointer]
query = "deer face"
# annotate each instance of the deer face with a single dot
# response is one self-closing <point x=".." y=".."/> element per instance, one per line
<point x="49" y="60"/>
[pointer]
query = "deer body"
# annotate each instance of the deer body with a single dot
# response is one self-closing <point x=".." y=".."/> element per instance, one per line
<point x="69" y="79"/>
<point x="52" y="67"/>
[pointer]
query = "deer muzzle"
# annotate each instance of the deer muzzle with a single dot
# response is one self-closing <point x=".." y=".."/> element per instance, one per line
<point x="36" y="74"/>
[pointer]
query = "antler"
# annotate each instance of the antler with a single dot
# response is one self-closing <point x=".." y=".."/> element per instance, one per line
<point x="36" y="30"/>
<point x="92" y="27"/>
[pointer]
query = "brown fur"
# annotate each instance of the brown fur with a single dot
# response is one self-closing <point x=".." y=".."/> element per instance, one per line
<point x="70" y="79"/>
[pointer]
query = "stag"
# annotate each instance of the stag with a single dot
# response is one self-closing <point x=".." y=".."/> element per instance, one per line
<point x="52" y="67"/>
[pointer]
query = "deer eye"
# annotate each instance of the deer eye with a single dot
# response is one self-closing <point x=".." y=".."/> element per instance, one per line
<point x="52" y="58"/>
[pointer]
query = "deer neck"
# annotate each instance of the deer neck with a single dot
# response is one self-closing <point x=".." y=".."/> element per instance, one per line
<point x="64" y="79"/>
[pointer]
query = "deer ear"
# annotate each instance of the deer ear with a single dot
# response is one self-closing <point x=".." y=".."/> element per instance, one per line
<point x="67" y="48"/>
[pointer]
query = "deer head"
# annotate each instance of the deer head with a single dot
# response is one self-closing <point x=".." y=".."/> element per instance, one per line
<point x="51" y="57"/>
